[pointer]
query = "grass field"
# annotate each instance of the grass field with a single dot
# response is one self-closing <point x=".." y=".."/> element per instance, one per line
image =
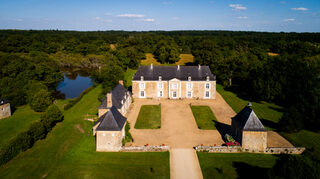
<point x="268" y="113"/>
<point x="18" y="122"/>
<point x="128" y="76"/>
<point x="68" y="152"/>
<point x="204" y="117"/>
<point x="149" y="60"/>
<point x="244" y="165"/>
<point x="185" y="58"/>
<point x="149" y="117"/>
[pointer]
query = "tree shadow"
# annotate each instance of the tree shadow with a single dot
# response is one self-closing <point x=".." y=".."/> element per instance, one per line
<point x="246" y="171"/>
<point x="277" y="109"/>
<point x="269" y="124"/>
<point x="223" y="129"/>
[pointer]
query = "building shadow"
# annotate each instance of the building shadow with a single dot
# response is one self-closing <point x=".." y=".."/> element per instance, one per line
<point x="246" y="171"/>
<point x="223" y="129"/>
<point x="269" y="124"/>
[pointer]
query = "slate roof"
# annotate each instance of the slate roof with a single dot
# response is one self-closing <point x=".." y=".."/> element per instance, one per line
<point x="247" y="120"/>
<point x="118" y="94"/>
<point x="3" y="101"/>
<point x="169" y="72"/>
<point x="111" y="121"/>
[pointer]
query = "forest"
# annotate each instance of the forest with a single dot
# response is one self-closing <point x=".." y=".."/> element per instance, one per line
<point x="283" y="68"/>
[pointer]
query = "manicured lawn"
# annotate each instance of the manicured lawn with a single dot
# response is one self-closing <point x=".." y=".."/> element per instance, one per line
<point x="308" y="139"/>
<point x="268" y="113"/>
<point x="185" y="58"/>
<point x="204" y="117"/>
<point x="243" y="165"/>
<point x="18" y="122"/>
<point x="69" y="153"/>
<point x="149" y="117"/>
<point x="128" y="76"/>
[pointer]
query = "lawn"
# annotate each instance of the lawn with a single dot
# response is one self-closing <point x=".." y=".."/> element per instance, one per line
<point x="68" y="152"/>
<point x="239" y="165"/>
<point x="128" y="76"/>
<point x="149" y="117"/>
<point x="18" y="122"/>
<point x="204" y="117"/>
<point x="185" y="58"/>
<point x="268" y="113"/>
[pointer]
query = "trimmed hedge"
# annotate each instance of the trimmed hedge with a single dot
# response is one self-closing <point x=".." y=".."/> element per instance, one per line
<point x="74" y="101"/>
<point x="36" y="131"/>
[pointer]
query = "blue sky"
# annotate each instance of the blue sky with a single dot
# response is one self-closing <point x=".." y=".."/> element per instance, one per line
<point x="249" y="15"/>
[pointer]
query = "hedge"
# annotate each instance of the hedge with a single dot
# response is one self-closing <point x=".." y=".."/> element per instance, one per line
<point x="74" y="101"/>
<point x="36" y="131"/>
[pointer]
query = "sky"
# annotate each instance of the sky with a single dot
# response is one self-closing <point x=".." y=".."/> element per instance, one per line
<point x="144" y="15"/>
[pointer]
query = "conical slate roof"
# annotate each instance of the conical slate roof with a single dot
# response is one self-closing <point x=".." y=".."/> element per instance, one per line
<point x="247" y="120"/>
<point x="111" y="121"/>
<point x="3" y="101"/>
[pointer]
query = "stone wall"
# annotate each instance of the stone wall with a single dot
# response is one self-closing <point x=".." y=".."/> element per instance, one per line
<point x="285" y="150"/>
<point x="239" y="149"/>
<point x="219" y="149"/>
<point x="254" y="140"/>
<point x="151" y="89"/>
<point x="145" y="149"/>
<point x="5" y="111"/>
<point x="109" y="140"/>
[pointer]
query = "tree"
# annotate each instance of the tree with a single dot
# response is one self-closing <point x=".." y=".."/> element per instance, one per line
<point x="41" y="100"/>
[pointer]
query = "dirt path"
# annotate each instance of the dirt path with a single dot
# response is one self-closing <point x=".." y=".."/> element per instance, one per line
<point x="184" y="164"/>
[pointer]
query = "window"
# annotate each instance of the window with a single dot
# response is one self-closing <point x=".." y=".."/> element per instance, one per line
<point x="174" y="86"/>
<point x="207" y="85"/>
<point x="142" y="85"/>
<point x="189" y="94"/>
<point x="160" y="85"/>
<point x="160" y="94"/>
<point x="189" y="85"/>
<point x="142" y="94"/>
<point x="174" y="94"/>
<point x="207" y="95"/>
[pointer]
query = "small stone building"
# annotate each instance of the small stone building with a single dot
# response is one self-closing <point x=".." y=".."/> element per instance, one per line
<point x="110" y="130"/>
<point x="249" y="131"/>
<point x="174" y="82"/>
<point x="5" y="110"/>
<point x="119" y="97"/>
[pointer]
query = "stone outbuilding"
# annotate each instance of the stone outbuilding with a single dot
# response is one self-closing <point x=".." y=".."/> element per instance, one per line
<point x="249" y="131"/>
<point x="110" y="130"/>
<point x="119" y="97"/>
<point x="5" y="110"/>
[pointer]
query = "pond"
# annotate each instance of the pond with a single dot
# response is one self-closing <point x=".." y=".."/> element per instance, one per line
<point x="74" y="83"/>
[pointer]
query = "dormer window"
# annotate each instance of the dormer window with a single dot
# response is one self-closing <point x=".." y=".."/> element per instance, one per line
<point x="121" y="101"/>
<point x="141" y="78"/>
<point x="189" y="78"/>
<point x="160" y="78"/>
<point x="208" y="78"/>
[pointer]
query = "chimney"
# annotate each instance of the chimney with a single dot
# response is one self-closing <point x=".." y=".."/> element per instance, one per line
<point x="199" y="67"/>
<point x="151" y="66"/>
<point x="178" y="67"/>
<point x="109" y="99"/>
<point x="121" y="82"/>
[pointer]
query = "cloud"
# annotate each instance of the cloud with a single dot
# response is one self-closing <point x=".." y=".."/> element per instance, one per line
<point x="147" y="20"/>
<point x="237" y="7"/>
<point x="299" y="9"/>
<point x="242" y="17"/>
<point x="106" y="20"/>
<point x="283" y="2"/>
<point x="289" y="20"/>
<point x="19" y="20"/>
<point x="131" y="15"/>
<point x="175" y="18"/>
<point x="166" y="3"/>
<point x="97" y="18"/>
<point x="101" y="19"/>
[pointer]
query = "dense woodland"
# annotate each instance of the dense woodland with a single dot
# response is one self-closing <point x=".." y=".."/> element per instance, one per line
<point x="289" y="77"/>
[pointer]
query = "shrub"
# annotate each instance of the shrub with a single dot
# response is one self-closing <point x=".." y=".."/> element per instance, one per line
<point x="128" y="136"/>
<point x="37" y="130"/>
<point x="41" y="100"/>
